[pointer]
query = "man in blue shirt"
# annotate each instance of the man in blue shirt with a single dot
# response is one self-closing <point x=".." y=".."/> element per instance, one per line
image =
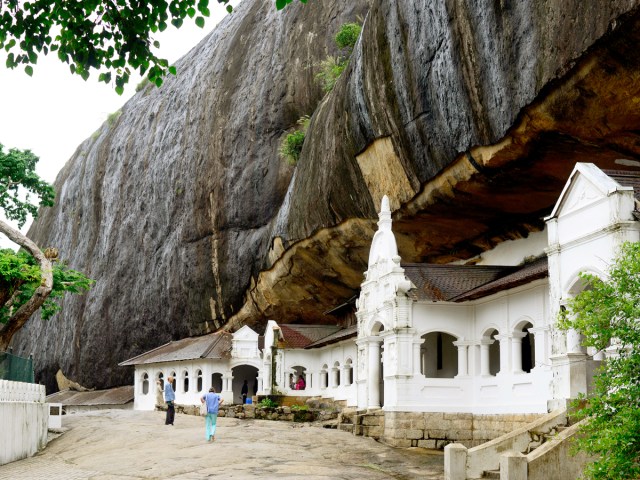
<point x="169" y="397"/>
<point x="213" y="401"/>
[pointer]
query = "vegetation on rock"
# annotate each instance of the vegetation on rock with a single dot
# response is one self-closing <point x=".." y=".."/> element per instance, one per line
<point x="332" y="67"/>
<point x="606" y="312"/>
<point x="292" y="143"/>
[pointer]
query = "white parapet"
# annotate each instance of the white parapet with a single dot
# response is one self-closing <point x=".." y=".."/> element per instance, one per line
<point x="24" y="417"/>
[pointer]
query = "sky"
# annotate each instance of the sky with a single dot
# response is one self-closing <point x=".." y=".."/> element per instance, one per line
<point x="53" y="111"/>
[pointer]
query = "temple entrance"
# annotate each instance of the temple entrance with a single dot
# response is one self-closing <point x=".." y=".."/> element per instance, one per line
<point x="240" y="374"/>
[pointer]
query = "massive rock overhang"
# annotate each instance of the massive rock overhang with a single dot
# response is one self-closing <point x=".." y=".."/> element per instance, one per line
<point x="488" y="194"/>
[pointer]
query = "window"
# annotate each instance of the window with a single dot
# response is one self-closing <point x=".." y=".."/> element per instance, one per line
<point x="161" y="378"/>
<point x="145" y="384"/>
<point x="199" y="380"/>
<point x="185" y="381"/>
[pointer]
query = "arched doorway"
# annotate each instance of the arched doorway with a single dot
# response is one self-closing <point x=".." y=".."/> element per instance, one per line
<point x="439" y="355"/>
<point x="240" y="374"/>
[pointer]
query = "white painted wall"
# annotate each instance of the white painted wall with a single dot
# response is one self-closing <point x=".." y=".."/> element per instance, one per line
<point x="24" y="418"/>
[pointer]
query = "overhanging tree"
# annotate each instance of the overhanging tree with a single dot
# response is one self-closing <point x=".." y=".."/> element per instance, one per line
<point x="28" y="280"/>
<point x="607" y="313"/>
<point x="108" y="36"/>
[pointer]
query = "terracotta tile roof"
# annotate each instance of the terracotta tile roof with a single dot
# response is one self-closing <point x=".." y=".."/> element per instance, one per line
<point x="336" y="337"/>
<point x="445" y="282"/>
<point x="114" y="396"/>
<point x="527" y="273"/>
<point x="300" y="336"/>
<point x="214" y="345"/>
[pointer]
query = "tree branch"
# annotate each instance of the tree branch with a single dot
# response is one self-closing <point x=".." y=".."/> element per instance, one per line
<point x="41" y="293"/>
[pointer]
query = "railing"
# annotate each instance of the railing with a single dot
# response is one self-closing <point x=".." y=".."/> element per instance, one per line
<point x="21" y="392"/>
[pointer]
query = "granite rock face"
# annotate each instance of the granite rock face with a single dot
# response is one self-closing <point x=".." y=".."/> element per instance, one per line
<point x="184" y="214"/>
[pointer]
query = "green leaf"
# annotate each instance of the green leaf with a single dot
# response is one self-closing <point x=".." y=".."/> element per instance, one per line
<point x="230" y="8"/>
<point x="200" y="22"/>
<point x="119" y="89"/>
<point x="172" y="70"/>
<point x="191" y="12"/>
<point x="29" y="70"/>
<point x="280" y="4"/>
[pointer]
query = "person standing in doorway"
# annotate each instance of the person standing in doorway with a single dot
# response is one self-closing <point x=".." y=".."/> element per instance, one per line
<point x="244" y="392"/>
<point x="169" y="397"/>
<point x="213" y="402"/>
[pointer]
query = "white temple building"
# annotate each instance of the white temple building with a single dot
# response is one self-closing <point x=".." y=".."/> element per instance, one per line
<point x="475" y="339"/>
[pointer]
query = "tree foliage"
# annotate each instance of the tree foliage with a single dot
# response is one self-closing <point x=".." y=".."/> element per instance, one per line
<point x="347" y="36"/>
<point x="28" y="280"/>
<point x="108" y="36"/>
<point x="20" y="277"/>
<point x="607" y="313"/>
<point x="19" y="183"/>
<point x="280" y="4"/>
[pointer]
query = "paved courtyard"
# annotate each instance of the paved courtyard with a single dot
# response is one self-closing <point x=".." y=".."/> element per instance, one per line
<point x="128" y="445"/>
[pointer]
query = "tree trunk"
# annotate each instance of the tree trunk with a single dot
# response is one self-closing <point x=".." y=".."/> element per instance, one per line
<point x="18" y="319"/>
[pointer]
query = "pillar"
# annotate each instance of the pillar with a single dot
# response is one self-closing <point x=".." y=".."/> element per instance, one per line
<point x="485" y="361"/>
<point x="462" y="358"/>
<point x="540" y="341"/>
<point x="455" y="462"/>
<point x="516" y="351"/>
<point x="513" y="466"/>
<point x="373" y="375"/>
<point x="505" y="353"/>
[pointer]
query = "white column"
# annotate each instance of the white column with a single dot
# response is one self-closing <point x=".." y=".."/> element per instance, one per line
<point x="540" y="345"/>
<point x="345" y="375"/>
<point x="462" y="358"/>
<point x="485" y="370"/>
<point x="516" y="349"/>
<point x="373" y="374"/>
<point x="574" y="342"/>
<point x="505" y="351"/>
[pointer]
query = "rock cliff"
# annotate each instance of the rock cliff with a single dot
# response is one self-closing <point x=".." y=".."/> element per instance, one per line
<point x="470" y="117"/>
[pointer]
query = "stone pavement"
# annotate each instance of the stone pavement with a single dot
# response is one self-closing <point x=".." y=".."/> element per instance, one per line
<point x="129" y="445"/>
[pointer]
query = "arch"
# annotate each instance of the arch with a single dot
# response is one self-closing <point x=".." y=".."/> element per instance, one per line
<point x="348" y="370"/>
<point x="185" y="381"/>
<point x="324" y="376"/>
<point x="521" y="322"/>
<point x="493" y="354"/>
<point x="576" y="284"/>
<point x="144" y="383"/>
<point x="199" y="383"/>
<point x="374" y="326"/>
<point x="528" y="347"/>
<point x="175" y="380"/>
<point x="299" y="377"/>
<point x="216" y="381"/>
<point x="335" y="373"/>
<point x="438" y="354"/>
<point x="160" y="376"/>
<point x="241" y="372"/>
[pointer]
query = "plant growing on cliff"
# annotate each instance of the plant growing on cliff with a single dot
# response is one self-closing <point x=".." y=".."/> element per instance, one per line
<point x="292" y="143"/>
<point x="607" y="313"/>
<point x="28" y="281"/>
<point x="332" y="67"/>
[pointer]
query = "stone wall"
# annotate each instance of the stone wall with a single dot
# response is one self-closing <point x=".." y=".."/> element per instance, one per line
<point x="281" y="413"/>
<point x="435" y="430"/>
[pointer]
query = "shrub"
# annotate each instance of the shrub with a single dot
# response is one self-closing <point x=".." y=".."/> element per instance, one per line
<point x="347" y="36"/>
<point x="267" y="403"/>
<point x="291" y="145"/>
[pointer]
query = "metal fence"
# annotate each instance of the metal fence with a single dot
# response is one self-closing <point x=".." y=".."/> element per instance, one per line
<point x="17" y="369"/>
